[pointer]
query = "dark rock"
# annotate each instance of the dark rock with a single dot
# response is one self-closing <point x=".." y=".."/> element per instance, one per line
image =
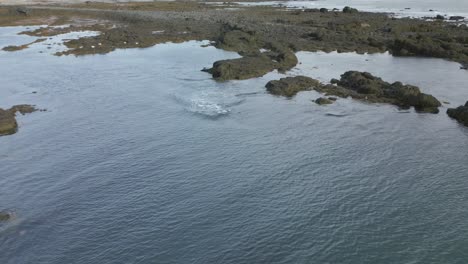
<point x="456" y="18"/>
<point x="350" y="10"/>
<point x="242" y="68"/>
<point x="377" y="90"/>
<point x="22" y="11"/>
<point x="440" y="17"/>
<point x="323" y="101"/>
<point x="290" y="86"/>
<point x="5" y="216"/>
<point x="460" y="114"/>
<point x="323" y="10"/>
<point x="332" y="98"/>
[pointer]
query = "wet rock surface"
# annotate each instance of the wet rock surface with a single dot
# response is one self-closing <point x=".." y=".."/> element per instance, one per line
<point x="361" y="86"/>
<point x="290" y="86"/>
<point x="8" y="124"/>
<point x="460" y="114"/>
<point x="323" y="101"/>
<point x="255" y="62"/>
<point x="377" y="90"/>
<point x="21" y="47"/>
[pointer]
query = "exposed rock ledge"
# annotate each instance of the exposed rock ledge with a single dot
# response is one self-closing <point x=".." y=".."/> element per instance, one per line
<point x="8" y="124"/>
<point x="460" y="114"/>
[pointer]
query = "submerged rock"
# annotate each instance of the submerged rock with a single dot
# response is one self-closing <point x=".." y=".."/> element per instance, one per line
<point x="290" y="86"/>
<point x="8" y="124"/>
<point x="460" y="114"/>
<point x="5" y="216"/>
<point x="323" y="101"/>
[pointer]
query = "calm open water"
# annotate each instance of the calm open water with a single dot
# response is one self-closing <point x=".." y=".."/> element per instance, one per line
<point x="401" y="8"/>
<point x="142" y="158"/>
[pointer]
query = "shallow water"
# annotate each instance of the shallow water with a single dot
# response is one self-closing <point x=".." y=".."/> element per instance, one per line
<point x="402" y="8"/>
<point x="142" y="158"/>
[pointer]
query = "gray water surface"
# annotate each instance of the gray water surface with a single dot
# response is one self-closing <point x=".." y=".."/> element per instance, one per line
<point x="401" y="8"/>
<point x="143" y="158"/>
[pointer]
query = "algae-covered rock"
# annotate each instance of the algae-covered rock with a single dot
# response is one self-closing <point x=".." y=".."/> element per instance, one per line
<point x="377" y="90"/>
<point x="234" y="38"/>
<point x="290" y="86"/>
<point x="242" y="68"/>
<point x="460" y="114"/>
<point x="323" y="101"/>
<point x="8" y="124"/>
<point x="361" y="82"/>
<point x="254" y="63"/>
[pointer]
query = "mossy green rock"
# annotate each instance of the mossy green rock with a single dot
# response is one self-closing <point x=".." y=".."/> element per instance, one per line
<point x="460" y="114"/>
<point x="290" y="86"/>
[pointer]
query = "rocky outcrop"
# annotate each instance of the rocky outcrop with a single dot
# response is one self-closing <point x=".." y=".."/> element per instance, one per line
<point x="460" y="114"/>
<point x="361" y="86"/>
<point x="8" y="124"/>
<point x="236" y="39"/>
<point x="290" y="86"/>
<point x="255" y="62"/>
<point x="377" y="90"/>
<point x="350" y="10"/>
<point x="323" y="101"/>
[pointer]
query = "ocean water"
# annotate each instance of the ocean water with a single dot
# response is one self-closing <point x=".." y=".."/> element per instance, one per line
<point x="142" y="158"/>
<point x="401" y="8"/>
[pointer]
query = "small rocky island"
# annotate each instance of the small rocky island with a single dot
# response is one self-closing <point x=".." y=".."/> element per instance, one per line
<point x="362" y="86"/>
<point x="8" y="124"/>
<point x="460" y="114"/>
